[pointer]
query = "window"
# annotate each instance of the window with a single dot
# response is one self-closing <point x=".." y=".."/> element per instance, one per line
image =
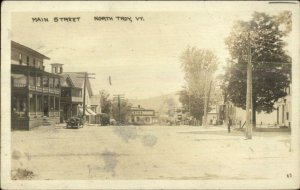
<point x="61" y="70"/>
<point x="56" y="83"/>
<point x="20" y="59"/>
<point x="33" y="62"/>
<point x="38" y="81"/>
<point x="19" y="80"/>
<point x="55" y="70"/>
<point x="32" y="103"/>
<point x="287" y="115"/>
<point x="56" y="103"/>
<point x="31" y="81"/>
<point x="27" y="60"/>
<point x="45" y="82"/>
<point x="19" y="106"/>
<point x="51" y="82"/>
<point x="65" y="93"/>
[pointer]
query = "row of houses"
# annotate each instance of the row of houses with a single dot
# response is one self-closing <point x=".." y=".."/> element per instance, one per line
<point x="39" y="97"/>
<point x="281" y="116"/>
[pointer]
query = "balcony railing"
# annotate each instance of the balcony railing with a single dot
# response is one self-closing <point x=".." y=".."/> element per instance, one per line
<point x="76" y="99"/>
<point x="53" y="114"/>
<point x="19" y="85"/>
<point x="39" y="114"/>
<point x="37" y="88"/>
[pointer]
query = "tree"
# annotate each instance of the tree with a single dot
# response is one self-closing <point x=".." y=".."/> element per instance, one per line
<point x="198" y="66"/>
<point x="192" y="103"/>
<point x="271" y="64"/>
<point x="124" y="111"/>
<point x="105" y="102"/>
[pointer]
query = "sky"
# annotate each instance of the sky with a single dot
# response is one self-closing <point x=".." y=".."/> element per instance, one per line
<point x="142" y="57"/>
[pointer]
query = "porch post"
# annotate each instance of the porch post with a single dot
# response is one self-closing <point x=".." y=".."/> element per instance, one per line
<point x="36" y="107"/>
<point x="54" y="105"/>
<point x="28" y="93"/>
<point x="28" y="104"/>
<point x="48" y="95"/>
<point x="35" y="79"/>
<point x="42" y="86"/>
<point x="48" y="104"/>
<point x="58" y="106"/>
<point x="59" y="95"/>
<point x="71" y="111"/>
<point x="43" y="104"/>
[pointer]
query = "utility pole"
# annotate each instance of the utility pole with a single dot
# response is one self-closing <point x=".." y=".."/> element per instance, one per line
<point x="249" y="94"/>
<point x="119" y="97"/>
<point x="190" y="103"/>
<point x="207" y="88"/>
<point x="85" y="77"/>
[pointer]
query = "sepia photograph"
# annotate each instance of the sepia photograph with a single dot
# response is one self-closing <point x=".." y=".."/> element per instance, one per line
<point x="150" y="95"/>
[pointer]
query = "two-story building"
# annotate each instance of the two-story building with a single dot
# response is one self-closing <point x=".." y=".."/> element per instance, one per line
<point x="72" y="92"/>
<point x="35" y="93"/>
<point x="142" y="116"/>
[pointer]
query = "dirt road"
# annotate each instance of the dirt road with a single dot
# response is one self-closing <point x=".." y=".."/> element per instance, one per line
<point x="150" y="152"/>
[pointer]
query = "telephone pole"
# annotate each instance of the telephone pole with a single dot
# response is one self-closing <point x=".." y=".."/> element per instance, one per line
<point x="205" y="101"/>
<point x="85" y="77"/>
<point x="119" y="97"/>
<point x="249" y="94"/>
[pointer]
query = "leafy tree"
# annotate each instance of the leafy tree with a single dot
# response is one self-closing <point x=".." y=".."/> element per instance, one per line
<point x="271" y="64"/>
<point x="198" y="66"/>
<point x="105" y="102"/>
<point x="124" y="110"/>
<point x="193" y="103"/>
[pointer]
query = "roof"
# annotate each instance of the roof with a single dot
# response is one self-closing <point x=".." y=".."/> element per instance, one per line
<point x="213" y="111"/>
<point x="72" y="77"/>
<point x="28" y="50"/>
<point x="56" y="64"/>
<point x="23" y="69"/>
<point x="140" y="109"/>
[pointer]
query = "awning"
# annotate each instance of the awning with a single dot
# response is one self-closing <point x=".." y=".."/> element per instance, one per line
<point x="87" y="111"/>
<point x="90" y="111"/>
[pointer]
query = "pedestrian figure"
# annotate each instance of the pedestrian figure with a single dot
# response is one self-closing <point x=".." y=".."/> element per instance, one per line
<point x="229" y="124"/>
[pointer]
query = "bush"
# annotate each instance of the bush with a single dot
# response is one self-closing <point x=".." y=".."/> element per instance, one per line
<point x="104" y="119"/>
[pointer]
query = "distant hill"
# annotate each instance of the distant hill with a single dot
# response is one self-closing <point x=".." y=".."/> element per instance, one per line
<point x="160" y="104"/>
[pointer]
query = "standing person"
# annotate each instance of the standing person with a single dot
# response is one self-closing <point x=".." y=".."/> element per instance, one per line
<point x="229" y="124"/>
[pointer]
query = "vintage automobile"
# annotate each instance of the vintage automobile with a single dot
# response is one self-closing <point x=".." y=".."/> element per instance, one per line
<point x="75" y="122"/>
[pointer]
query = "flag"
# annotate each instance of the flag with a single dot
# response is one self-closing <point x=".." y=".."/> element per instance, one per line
<point x="109" y="79"/>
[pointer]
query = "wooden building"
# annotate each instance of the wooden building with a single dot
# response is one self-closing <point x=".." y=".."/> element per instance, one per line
<point x="35" y="93"/>
<point x="142" y="116"/>
<point x="95" y="106"/>
<point x="284" y="109"/>
<point x="72" y="86"/>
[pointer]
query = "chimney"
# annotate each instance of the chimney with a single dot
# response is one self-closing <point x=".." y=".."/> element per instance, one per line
<point x="57" y="68"/>
<point x="139" y="106"/>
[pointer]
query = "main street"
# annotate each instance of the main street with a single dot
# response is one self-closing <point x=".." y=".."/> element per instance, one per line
<point x="151" y="152"/>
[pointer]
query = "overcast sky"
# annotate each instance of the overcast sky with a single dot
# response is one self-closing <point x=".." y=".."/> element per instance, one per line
<point x="142" y="58"/>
